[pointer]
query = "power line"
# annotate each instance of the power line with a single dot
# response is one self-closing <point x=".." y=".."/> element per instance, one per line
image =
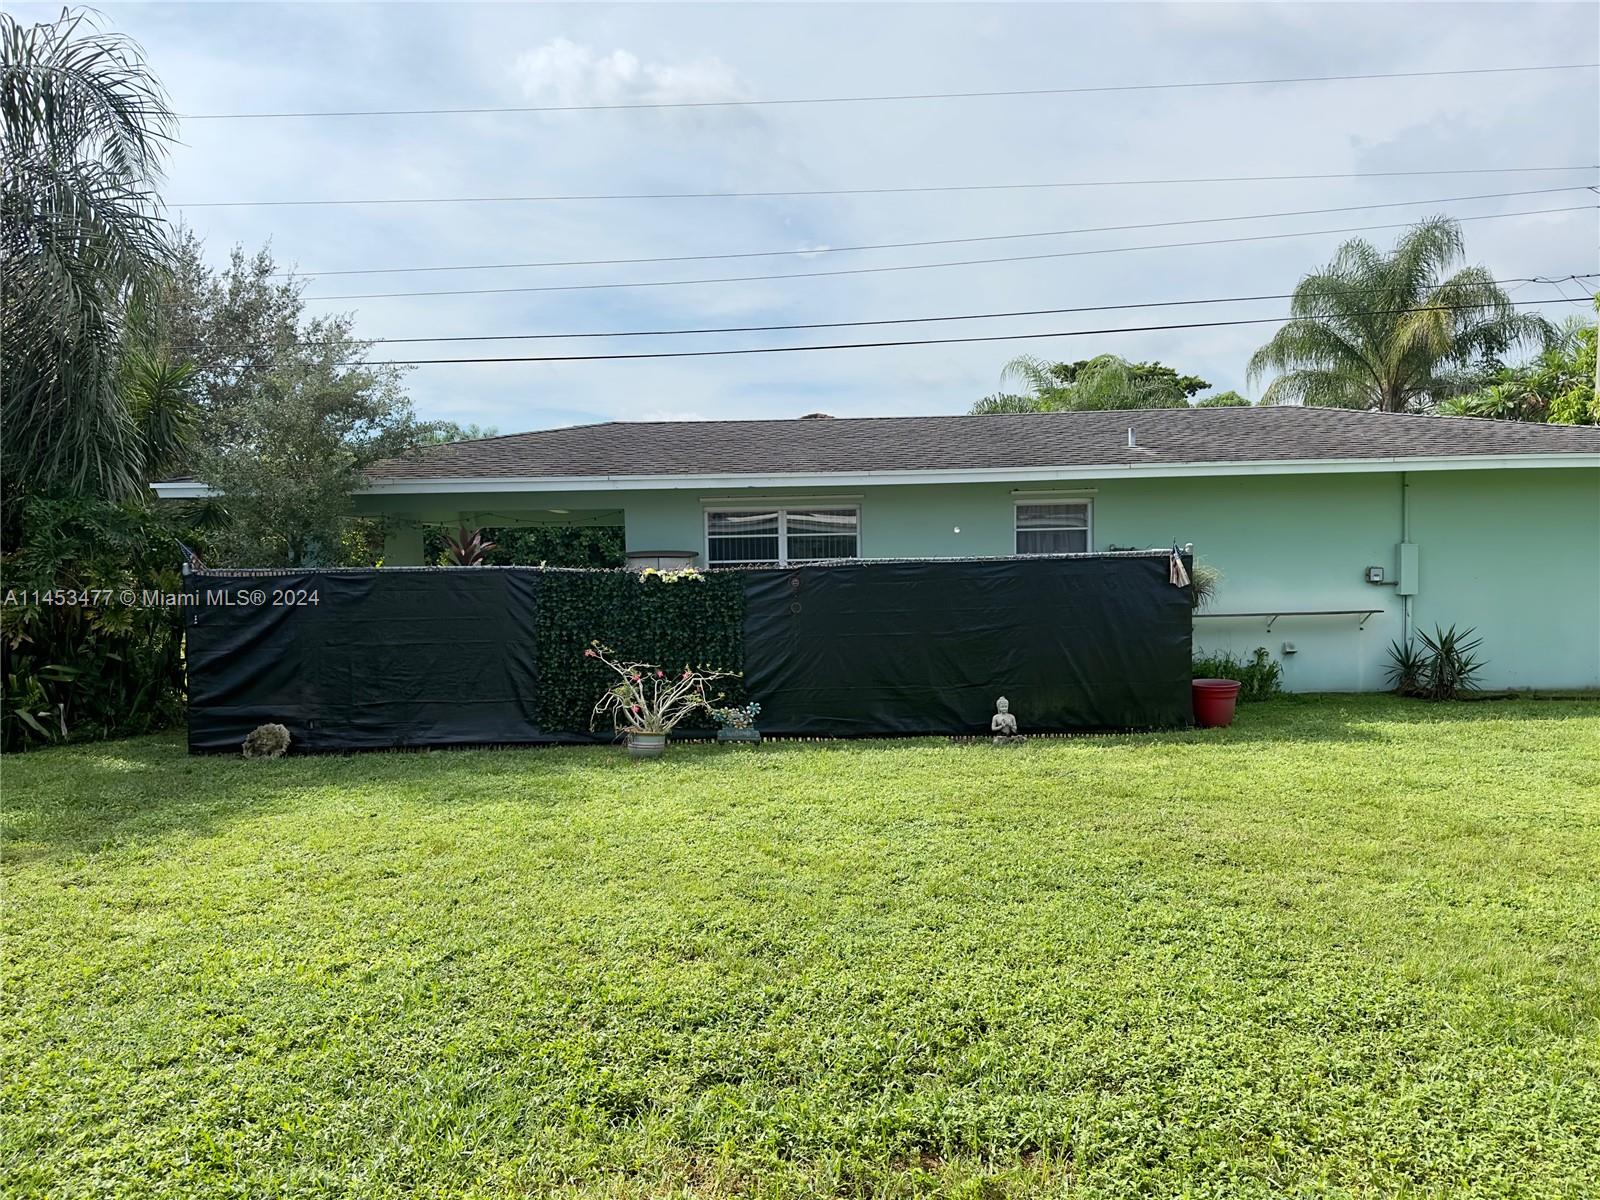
<point x="1516" y="282"/>
<point x="995" y="337"/>
<point x="878" y="191"/>
<point x="958" y="241"/>
<point x="1066" y="91"/>
<point x="967" y="262"/>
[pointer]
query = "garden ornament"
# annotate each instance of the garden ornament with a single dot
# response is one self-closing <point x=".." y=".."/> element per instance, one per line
<point x="1004" y="726"/>
<point x="266" y="741"/>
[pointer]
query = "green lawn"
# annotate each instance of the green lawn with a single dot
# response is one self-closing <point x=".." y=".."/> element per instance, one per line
<point x="1349" y="947"/>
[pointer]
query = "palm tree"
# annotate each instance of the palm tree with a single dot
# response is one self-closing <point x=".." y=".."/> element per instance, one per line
<point x="156" y="388"/>
<point x="1371" y="331"/>
<point x="1100" y="383"/>
<point x="86" y="127"/>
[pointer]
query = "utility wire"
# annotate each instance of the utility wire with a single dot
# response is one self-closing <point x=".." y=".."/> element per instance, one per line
<point x="958" y="241"/>
<point x="878" y="191"/>
<point x="1067" y="91"/>
<point x="966" y="262"/>
<point x="995" y="337"/>
<point x="1512" y="284"/>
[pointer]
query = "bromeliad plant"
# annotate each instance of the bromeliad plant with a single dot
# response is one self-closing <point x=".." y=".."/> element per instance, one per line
<point x="649" y="699"/>
<point x="468" y="549"/>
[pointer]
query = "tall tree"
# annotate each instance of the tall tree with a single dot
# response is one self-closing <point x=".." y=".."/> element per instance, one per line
<point x="1391" y="332"/>
<point x="1092" y="383"/>
<point x="234" y="324"/>
<point x="86" y="128"/>
<point x="288" y="411"/>
<point x="299" y="437"/>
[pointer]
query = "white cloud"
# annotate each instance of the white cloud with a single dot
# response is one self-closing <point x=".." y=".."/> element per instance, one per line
<point x="330" y="56"/>
<point x="563" y="73"/>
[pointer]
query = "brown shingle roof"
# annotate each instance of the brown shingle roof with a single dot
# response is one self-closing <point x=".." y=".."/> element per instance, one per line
<point x="1009" y="440"/>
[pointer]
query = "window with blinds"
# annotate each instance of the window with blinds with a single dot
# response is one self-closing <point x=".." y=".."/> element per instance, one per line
<point x="1060" y="527"/>
<point x="780" y="536"/>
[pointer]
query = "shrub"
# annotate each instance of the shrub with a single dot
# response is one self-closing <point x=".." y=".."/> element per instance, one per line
<point x="1408" y="666"/>
<point x="1443" y="668"/>
<point x="77" y="660"/>
<point x="597" y="546"/>
<point x="1259" y="678"/>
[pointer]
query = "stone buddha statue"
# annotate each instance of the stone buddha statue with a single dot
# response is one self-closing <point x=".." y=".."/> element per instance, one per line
<point x="1003" y="725"/>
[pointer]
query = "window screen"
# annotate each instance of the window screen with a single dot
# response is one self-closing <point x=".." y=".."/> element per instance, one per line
<point x="742" y="537"/>
<point x="1061" y="528"/>
<point x="781" y="536"/>
<point x="821" y="533"/>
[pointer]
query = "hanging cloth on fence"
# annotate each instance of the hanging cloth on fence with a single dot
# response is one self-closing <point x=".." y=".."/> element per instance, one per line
<point x="1176" y="575"/>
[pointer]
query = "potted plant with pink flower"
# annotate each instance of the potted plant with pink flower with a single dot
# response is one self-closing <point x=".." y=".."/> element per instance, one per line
<point x="648" y="702"/>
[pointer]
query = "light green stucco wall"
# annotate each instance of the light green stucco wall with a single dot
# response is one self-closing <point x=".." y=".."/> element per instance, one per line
<point x="1514" y="553"/>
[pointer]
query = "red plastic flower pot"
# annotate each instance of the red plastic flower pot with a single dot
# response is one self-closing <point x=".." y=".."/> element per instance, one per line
<point x="1214" y="701"/>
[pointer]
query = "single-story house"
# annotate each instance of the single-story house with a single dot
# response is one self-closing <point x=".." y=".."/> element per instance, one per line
<point x="1336" y="532"/>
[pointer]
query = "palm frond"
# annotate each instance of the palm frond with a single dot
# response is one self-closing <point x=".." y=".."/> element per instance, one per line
<point x="85" y="130"/>
<point x="1388" y="331"/>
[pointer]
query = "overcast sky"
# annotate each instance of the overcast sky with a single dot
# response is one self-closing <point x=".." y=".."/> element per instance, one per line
<point x="219" y="58"/>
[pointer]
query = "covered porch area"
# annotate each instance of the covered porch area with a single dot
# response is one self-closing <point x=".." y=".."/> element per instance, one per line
<point x="413" y="527"/>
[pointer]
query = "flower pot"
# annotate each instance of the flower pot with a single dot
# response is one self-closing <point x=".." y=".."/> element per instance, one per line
<point x="646" y="745"/>
<point x="1214" y="701"/>
<point x="752" y="736"/>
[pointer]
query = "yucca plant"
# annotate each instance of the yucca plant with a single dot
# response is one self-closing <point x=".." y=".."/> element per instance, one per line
<point x="1442" y="668"/>
<point x="1407" y="667"/>
<point x="1452" y="662"/>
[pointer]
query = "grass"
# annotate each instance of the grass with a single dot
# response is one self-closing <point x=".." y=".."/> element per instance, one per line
<point x="1350" y="947"/>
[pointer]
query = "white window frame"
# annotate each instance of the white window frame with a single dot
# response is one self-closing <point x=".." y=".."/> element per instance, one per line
<point x="1085" y="502"/>
<point x="782" y="510"/>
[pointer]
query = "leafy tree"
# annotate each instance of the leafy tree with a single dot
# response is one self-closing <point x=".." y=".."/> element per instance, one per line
<point x="1556" y="386"/>
<point x="86" y="128"/>
<point x="288" y="413"/>
<point x="1094" y="383"/>
<point x="1154" y="375"/>
<point x="301" y="434"/>
<point x="1222" y="400"/>
<point x="235" y="325"/>
<point x="441" y="432"/>
<point x="1391" y="332"/>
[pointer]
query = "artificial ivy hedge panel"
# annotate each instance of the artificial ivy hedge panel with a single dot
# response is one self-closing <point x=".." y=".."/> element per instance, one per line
<point x="697" y="622"/>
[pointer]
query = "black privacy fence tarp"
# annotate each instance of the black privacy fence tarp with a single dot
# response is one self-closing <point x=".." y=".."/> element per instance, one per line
<point x="927" y="647"/>
<point x="384" y="658"/>
<point x="357" y="660"/>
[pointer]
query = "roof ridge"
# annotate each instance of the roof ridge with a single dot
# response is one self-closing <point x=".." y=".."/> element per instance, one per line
<point x="1229" y="410"/>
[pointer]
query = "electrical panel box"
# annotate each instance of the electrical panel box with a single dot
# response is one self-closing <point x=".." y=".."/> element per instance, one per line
<point x="1406" y="561"/>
